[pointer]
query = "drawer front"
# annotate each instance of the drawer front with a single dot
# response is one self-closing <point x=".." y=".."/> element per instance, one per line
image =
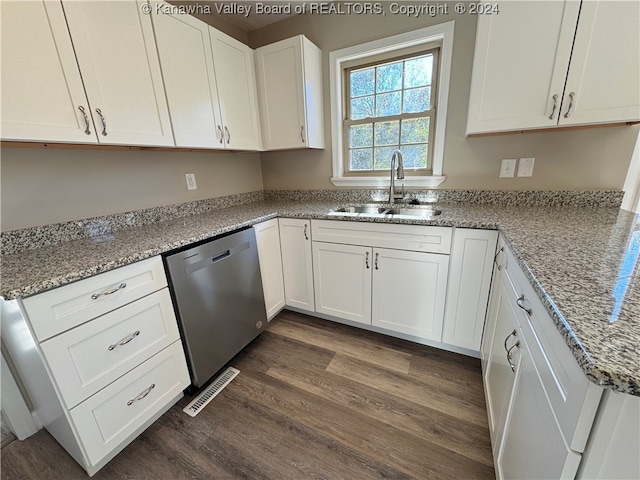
<point x="573" y="397"/>
<point x="110" y="416"/>
<point x="58" y="310"/>
<point x="417" y="238"/>
<point x="91" y="356"/>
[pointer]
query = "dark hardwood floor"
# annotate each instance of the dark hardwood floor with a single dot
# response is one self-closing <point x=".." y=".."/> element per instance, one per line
<point x="314" y="400"/>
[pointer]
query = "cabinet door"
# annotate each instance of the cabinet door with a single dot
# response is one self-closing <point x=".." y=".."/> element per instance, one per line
<point x="121" y="72"/>
<point x="235" y="78"/>
<point x="268" y="242"/>
<point x="297" y="266"/>
<point x="280" y="88"/>
<point x="409" y="290"/>
<point x="604" y="76"/>
<point x="187" y="71"/>
<point x="469" y="282"/>
<point x="499" y="376"/>
<point x="533" y="446"/>
<point x="342" y="279"/>
<point x="42" y="92"/>
<point x="520" y="64"/>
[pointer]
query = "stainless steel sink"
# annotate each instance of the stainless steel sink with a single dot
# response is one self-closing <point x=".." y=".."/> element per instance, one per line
<point x="375" y="209"/>
<point x="416" y="211"/>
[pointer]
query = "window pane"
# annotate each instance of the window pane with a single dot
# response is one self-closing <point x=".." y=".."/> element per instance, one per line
<point x="415" y="156"/>
<point x="389" y="77"/>
<point x="361" y="135"/>
<point x="362" y="107"/>
<point x="415" y="130"/>
<point x="417" y="72"/>
<point x="387" y="133"/>
<point x="417" y="100"/>
<point x="362" y="82"/>
<point x="382" y="160"/>
<point x="361" y="159"/>
<point x="388" y="104"/>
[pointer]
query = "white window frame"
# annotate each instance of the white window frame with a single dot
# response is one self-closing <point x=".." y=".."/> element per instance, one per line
<point x="438" y="33"/>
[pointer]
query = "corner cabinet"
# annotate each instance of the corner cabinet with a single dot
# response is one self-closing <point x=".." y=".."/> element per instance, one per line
<point x="269" y="253"/>
<point x="530" y="73"/>
<point x="101" y="359"/>
<point x="289" y="76"/>
<point x="44" y="86"/>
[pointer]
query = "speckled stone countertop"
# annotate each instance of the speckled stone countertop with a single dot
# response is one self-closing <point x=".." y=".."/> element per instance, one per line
<point x="584" y="264"/>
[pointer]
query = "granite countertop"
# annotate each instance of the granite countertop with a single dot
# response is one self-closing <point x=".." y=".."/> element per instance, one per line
<point x="582" y="262"/>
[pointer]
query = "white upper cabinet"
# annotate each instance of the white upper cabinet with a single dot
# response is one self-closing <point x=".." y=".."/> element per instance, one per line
<point x="235" y="79"/>
<point x="42" y="92"/>
<point x="290" y="91"/>
<point x="116" y="51"/>
<point x="189" y="79"/>
<point x="604" y="75"/>
<point x="523" y="57"/>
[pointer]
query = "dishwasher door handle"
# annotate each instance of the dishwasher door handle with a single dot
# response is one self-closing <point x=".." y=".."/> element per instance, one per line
<point x="210" y="261"/>
<point x="222" y="256"/>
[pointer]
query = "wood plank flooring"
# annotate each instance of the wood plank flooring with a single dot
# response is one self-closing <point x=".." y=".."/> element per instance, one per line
<point x="314" y="400"/>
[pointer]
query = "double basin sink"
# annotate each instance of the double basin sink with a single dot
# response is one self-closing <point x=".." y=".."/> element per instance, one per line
<point x="416" y="211"/>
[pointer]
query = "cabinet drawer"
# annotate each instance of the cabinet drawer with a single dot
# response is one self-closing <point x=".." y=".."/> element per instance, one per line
<point x="108" y="418"/>
<point x="400" y="237"/>
<point x="91" y="356"/>
<point x="573" y="397"/>
<point x="63" y="308"/>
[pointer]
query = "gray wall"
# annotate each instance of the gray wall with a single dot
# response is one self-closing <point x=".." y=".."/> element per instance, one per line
<point x="578" y="159"/>
<point x="41" y="186"/>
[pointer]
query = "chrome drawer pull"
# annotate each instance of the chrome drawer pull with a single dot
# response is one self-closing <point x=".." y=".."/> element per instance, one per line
<point x="520" y="302"/>
<point x="228" y="135"/>
<point x="366" y="259"/>
<point x="376" y="261"/>
<point x="512" y="334"/>
<point x="96" y="296"/>
<point x="302" y="133"/>
<point x="104" y="122"/>
<point x="555" y="105"/>
<point x="306" y="237"/>
<point x="125" y="340"/>
<point x="510" y="356"/>
<point x="86" y="120"/>
<point x="572" y="95"/>
<point x="221" y="134"/>
<point x="142" y="395"/>
<point x="495" y="258"/>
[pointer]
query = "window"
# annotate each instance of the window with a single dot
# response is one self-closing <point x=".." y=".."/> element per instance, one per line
<point x="390" y="105"/>
<point x="386" y="95"/>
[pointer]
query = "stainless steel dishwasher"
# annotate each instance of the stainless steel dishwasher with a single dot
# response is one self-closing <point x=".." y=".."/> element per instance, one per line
<point x="217" y="292"/>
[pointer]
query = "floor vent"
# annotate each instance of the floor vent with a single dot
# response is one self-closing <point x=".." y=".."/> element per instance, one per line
<point x="211" y="391"/>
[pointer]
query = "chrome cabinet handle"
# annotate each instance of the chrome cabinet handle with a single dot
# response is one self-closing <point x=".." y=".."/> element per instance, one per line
<point x="376" y="261"/>
<point x="104" y="122"/>
<point x="302" y="133"/>
<point x="510" y="356"/>
<point x="555" y="105"/>
<point x="495" y="258"/>
<point x="125" y="340"/>
<point x="221" y="134"/>
<point x="96" y="296"/>
<point x="520" y="302"/>
<point x="512" y="334"/>
<point x="86" y="120"/>
<point x="306" y="237"/>
<point x="366" y="259"/>
<point x="142" y="395"/>
<point x="228" y="134"/>
<point x="572" y="95"/>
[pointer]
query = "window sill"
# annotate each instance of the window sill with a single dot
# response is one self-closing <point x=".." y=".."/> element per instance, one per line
<point x="431" y="181"/>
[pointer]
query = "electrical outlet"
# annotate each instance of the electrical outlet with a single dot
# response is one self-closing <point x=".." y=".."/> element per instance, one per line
<point x="191" y="181"/>
<point x="525" y="167"/>
<point x="507" y="167"/>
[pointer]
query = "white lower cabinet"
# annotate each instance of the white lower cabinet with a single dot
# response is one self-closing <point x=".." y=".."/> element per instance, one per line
<point x="297" y="264"/>
<point x="540" y="405"/>
<point x="409" y="290"/>
<point x="269" y="253"/>
<point x="109" y="363"/>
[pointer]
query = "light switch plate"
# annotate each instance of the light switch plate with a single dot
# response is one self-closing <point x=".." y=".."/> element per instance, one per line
<point x="507" y="167"/>
<point x="525" y="167"/>
<point x="191" y="181"/>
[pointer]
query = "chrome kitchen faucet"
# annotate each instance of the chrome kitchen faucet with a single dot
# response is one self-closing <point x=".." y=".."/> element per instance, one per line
<point x="396" y="157"/>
